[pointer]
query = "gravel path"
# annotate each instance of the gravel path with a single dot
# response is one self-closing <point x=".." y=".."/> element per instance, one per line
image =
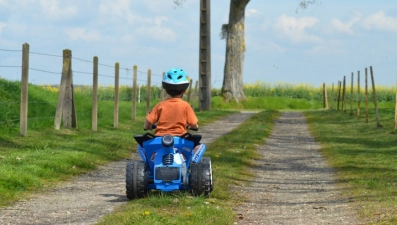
<point x="293" y="184"/>
<point x="86" y="199"/>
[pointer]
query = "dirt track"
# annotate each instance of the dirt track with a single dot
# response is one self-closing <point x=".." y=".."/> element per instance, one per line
<point x="86" y="199"/>
<point x="293" y="185"/>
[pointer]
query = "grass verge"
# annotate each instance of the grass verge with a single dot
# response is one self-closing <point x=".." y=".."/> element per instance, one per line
<point x="231" y="156"/>
<point x="365" y="158"/>
<point x="47" y="156"/>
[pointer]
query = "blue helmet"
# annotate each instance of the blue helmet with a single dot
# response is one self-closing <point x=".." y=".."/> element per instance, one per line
<point x="175" y="79"/>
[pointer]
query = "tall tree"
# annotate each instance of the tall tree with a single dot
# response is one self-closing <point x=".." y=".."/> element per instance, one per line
<point x="233" y="32"/>
<point x="232" y="87"/>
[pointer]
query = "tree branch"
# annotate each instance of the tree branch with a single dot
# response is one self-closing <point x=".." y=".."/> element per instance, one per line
<point x="179" y="3"/>
<point x="304" y="4"/>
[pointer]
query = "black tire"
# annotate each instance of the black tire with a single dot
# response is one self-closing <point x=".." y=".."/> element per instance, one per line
<point x="201" y="178"/>
<point x="208" y="160"/>
<point x="136" y="180"/>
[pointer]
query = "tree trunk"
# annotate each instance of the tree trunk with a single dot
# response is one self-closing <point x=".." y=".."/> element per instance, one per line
<point x="232" y="88"/>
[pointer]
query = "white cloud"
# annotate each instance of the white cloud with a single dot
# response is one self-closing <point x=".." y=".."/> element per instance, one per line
<point x="155" y="30"/>
<point x="345" y="27"/>
<point x="15" y="27"/>
<point x="129" y="38"/>
<point x="52" y="9"/>
<point x="379" y="21"/>
<point x="83" y="34"/>
<point x="295" y="29"/>
<point x="252" y="12"/>
<point x="2" y="25"/>
<point x="158" y="33"/>
<point x="154" y="5"/>
<point x="118" y="9"/>
<point x="326" y="50"/>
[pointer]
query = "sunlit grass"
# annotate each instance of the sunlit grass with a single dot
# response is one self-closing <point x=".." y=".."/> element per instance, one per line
<point x="364" y="156"/>
<point x="231" y="156"/>
<point x="46" y="156"/>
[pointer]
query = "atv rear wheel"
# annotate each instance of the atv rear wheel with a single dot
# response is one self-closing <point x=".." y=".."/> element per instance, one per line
<point x="136" y="180"/>
<point x="208" y="160"/>
<point x="201" y="178"/>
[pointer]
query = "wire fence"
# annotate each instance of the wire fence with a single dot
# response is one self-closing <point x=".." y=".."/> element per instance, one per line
<point x="14" y="68"/>
<point x="141" y="74"/>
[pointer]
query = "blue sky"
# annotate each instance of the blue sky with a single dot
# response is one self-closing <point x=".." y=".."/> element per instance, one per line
<point x="323" y="43"/>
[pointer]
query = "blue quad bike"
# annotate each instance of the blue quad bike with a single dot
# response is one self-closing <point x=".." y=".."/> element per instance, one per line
<point x="169" y="163"/>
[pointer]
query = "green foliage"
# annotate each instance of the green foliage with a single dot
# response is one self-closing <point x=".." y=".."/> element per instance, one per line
<point x="46" y="156"/>
<point x="269" y="103"/>
<point x="175" y="208"/>
<point x="311" y="92"/>
<point x="125" y="92"/>
<point x="361" y="152"/>
<point x="230" y="166"/>
<point x="364" y="156"/>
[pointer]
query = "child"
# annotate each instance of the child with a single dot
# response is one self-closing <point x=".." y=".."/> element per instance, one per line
<point x="174" y="114"/>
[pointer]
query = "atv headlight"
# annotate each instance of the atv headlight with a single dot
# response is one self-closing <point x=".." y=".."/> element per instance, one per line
<point x="167" y="140"/>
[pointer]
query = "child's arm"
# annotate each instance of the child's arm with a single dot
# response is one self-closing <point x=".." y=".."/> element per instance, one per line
<point x="147" y="125"/>
<point x="194" y="127"/>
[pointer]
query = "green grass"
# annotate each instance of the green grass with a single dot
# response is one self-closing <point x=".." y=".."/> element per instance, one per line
<point x="365" y="158"/>
<point x="231" y="156"/>
<point x="362" y="153"/>
<point x="47" y="156"/>
<point x="268" y="103"/>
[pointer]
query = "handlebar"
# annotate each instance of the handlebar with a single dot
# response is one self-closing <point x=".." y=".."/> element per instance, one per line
<point x="190" y="128"/>
<point x="153" y="126"/>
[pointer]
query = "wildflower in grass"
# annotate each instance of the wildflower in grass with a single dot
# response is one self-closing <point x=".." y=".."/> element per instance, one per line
<point x="146" y="213"/>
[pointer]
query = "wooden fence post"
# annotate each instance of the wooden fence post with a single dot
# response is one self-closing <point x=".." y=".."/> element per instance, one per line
<point x="163" y="93"/>
<point x="395" y="114"/>
<point x="149" y="80"/>
<point x="66" y="110"/>
<point x="190" y="91"/>
<point x="139" y="93"/>
<point x="339" y="90"/>
<point x="95" y="95"/>
<point x="366" y="95"/>
<point x="358" y="95"/>
<point x="332" y="96"/>
<point x="116" y="95"/>
<point x="325" y="99"/>
<point x="133" y="94"/>
<point x="24" y="90"/>
<point x="375" y="99"/>
<point x="344" y="95"/>
<point x="351" y="95"/>
<point x="195" y="95"/>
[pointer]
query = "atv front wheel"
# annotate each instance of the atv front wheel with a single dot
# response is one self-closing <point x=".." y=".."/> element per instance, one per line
<point x="201" y="178"/>
<point x="136" y="180"/>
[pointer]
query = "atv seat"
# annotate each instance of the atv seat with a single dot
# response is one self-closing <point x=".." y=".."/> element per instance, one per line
<point x="195" y="138"/>
<point x="140" y="138"/>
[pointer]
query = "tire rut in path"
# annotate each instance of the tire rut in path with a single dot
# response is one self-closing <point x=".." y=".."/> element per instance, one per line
<point x="85" y="199"/>
<point x="293" y="183"/>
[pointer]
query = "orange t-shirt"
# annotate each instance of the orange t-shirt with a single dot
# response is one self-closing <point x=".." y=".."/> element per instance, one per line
<point x="172" y="116"/>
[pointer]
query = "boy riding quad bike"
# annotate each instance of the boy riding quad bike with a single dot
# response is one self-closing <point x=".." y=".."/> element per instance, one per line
<point x="171" y="158"/>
